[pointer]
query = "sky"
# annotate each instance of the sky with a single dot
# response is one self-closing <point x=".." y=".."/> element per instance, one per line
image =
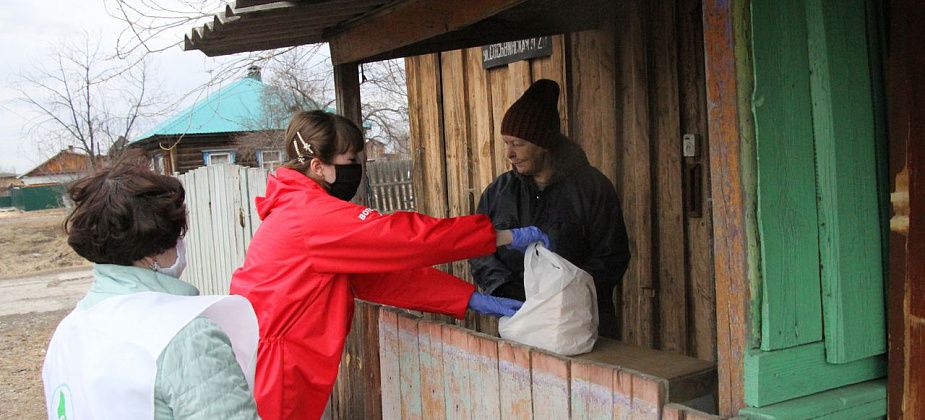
<point x="29" y="32"/>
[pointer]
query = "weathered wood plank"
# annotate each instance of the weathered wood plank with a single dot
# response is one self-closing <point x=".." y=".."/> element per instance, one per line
<point x="732" y="288"/>
<point x="368" y="373"/>
<point x="648" y="397"/>
<point x="608" y="147"/>
<point x="672" y="412"/>
<point x="347" y="91"/>
<point x="427" y="134"/>
<point x="347" y="95"/>
<point x="592" y="391"/>
<point x="417" y="141"/>
<point x="682" y="412"/>
<point x="587" y="103"/>
<point x="907" y="238"/>
<point x="550" y="386"/>
<point x="791" y="304"/>
<point x="483" y="383"/>
<point x="456" y="373"/>
<point x="622" y="395"/>
<point x="515" y="385"/>
<point x="409" y="368"/>
<point x="431" y="355"/>
<point x="357" y="393"/>
<point x="389" y="356"/>
<point x="409" y="22"/>
<point x="481" y="128"/>
<point x="206" y="218"/>
<point x="670" y="260"/>
<point x="846" y="173"/>
<point x="456" y="133"/>
<point x="699" y="230"/>
<point x="499" y="82"/>
<point x="553" y="68"/>
<point x="633" y="114"/>
<point x="772" y="377"/>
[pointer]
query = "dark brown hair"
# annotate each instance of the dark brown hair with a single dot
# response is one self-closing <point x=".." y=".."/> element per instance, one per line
<point x="125" y="213"/>
<point x="327" y="134"/>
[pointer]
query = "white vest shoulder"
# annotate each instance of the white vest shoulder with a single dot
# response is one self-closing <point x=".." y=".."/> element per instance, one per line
<point x="102" y="361"/>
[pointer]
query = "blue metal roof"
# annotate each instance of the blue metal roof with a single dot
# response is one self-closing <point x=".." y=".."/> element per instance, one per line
<point x="238" y="107"/>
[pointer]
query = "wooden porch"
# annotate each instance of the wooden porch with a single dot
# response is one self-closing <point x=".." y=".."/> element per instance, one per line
<point x="636" y="75"/>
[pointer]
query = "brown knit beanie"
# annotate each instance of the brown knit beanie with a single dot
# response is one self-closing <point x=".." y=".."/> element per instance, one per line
<point x="535" y="116"/>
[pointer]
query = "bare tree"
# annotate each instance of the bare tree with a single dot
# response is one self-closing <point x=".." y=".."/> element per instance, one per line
<point x="384" y="97"/>
<point x="87" y="100"/>
<point x="302" y="79"/>
<point x="299" y="78"/>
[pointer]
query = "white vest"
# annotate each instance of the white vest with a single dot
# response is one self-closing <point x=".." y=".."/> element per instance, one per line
<point x="102" y="361"/>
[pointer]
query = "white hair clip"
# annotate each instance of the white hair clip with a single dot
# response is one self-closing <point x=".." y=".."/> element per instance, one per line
<point x="305" y="145"/>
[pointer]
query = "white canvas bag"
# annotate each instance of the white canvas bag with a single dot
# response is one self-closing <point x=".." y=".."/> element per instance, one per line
<point x="560" y="313"/>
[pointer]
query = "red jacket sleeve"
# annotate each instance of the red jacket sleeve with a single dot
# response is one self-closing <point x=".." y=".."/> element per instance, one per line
<point x="351" y="239"/>
<point x="423" y="289"/>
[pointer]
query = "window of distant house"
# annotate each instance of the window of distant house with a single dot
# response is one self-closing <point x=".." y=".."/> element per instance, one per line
<point x="158" y="164"/>
<point x="218" y="157"/>
<point x="269" y="159"/>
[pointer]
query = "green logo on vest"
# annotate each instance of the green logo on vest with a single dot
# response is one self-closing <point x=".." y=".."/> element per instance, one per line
<point x="61" y="402"/>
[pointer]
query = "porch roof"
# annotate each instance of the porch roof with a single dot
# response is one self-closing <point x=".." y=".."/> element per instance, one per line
<point x="372" y="30"/>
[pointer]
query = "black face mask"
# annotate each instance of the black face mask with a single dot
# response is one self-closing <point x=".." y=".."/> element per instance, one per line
<point x="347" y="180"/>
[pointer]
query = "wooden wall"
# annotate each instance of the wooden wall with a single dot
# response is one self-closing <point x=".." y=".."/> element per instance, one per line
<point x="630" y="91"/>
<point x="187" y="155"/>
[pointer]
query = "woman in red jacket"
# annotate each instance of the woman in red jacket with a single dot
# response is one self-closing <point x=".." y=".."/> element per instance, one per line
<point x="315" y="252"/>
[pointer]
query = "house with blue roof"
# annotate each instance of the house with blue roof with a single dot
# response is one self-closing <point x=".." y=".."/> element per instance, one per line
<point x="211" y="131"/>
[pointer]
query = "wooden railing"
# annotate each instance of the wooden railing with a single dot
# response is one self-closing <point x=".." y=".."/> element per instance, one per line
<point x="429" y="369"/>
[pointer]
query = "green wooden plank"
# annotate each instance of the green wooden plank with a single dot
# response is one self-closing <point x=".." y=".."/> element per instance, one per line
<point x="787" y="220"/>
<point x="846" y="168"/>
<point x="776" y="376"/>
<point x="861" y="401"/>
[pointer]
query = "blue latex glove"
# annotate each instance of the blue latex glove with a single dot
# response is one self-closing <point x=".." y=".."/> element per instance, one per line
<point x="525" y="236"/>
<point x="491" y="305"/>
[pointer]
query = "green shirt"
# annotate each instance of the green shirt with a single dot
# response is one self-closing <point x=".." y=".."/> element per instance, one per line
<point x="197" y="375"/>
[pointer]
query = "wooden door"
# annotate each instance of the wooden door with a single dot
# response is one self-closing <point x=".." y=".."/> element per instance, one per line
<point x="821" y="174"/>
<point x="906" y="82"/>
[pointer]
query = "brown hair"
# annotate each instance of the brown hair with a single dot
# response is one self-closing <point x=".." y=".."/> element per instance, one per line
<point x="125" y="213"/>
<point x="322" y="135"/>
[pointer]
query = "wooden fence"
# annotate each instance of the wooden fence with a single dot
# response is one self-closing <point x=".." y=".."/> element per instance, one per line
<point x="390" y="188"/>
<point x="222" y="216"/>
<point x="222" y="219"/>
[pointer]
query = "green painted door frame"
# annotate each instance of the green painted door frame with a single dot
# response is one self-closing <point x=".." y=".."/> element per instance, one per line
<point x="820" y="161"/>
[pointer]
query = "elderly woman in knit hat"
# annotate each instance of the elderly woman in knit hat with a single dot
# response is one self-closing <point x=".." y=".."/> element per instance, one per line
<point x="552" y="186"/>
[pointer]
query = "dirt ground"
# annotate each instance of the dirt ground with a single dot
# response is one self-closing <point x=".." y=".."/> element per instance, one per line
<point x="34" y="241"/>
<point x="30" y="243"/>
<point x="23" y="340"/>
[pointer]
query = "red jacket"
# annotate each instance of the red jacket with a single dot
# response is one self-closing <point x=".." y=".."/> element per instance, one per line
<point x="312" y="255"/>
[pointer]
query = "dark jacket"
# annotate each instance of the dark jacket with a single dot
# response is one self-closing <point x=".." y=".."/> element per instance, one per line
<point x="580" y="212"/>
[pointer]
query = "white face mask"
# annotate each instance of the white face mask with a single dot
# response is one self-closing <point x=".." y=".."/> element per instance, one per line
<point x="175" y="270"/>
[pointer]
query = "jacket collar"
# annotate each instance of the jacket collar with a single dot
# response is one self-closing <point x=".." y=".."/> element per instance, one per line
<point x="112" y="280"/>
<point x="279" y="183"/>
